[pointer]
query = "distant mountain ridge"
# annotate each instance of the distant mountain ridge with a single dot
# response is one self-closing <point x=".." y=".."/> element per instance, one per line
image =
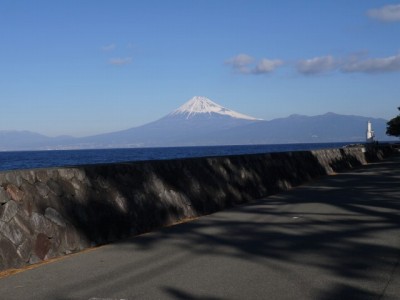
<point x="28" y="140"/>
<point x="326" y="128"/>
<point x="202" y="122"/>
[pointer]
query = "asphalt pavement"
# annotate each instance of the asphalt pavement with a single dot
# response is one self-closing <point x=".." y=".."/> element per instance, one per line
<point x="336" y="238"/>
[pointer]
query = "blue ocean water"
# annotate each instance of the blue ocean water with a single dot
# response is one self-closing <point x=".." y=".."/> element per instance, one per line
<point x="55" y="158"/>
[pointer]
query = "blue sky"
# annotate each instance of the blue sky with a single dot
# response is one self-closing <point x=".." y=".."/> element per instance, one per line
<point x="87" y="67"/>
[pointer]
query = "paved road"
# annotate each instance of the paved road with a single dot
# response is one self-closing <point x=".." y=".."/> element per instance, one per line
<point x="338" y="238"/>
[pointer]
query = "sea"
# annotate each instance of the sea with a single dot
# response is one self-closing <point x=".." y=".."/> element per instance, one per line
<point x="17" y="160"/>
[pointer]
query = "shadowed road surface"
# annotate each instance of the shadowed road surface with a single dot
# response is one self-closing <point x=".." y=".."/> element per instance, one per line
<point x="338" y="238"/>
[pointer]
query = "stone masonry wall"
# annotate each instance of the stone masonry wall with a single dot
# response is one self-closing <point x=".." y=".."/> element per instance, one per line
<point x="45" y="213"/>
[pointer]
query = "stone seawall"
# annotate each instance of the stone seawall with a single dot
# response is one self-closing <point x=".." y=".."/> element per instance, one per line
<point x="45" y="213"/>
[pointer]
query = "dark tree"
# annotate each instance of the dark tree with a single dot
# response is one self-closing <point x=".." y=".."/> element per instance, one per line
<point x="393" y="126"/>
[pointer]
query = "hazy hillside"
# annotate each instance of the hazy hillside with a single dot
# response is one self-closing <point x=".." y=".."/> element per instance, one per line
<point x="329" y="127"/>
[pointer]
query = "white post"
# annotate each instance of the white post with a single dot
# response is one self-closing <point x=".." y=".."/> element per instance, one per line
<point x="370" y="133"/>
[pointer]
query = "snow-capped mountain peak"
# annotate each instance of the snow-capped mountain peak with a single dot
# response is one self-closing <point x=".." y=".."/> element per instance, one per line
<point x="203" y="105"/>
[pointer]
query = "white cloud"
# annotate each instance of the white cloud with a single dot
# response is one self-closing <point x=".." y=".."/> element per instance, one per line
<point x="387" y="13"/>
<point x="355" y="63"/>
<point x="266" y="66"/>
<point x="240" y="63"/>
<point x="108" y="48"/>
<point x="120" y="61"/>
<point x="243" y="64"/>
<point x="373" y="65"/>
<point x="316" y="65"/>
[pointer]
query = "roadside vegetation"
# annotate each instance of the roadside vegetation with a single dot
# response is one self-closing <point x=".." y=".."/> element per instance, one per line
<point x="393" y="126"/>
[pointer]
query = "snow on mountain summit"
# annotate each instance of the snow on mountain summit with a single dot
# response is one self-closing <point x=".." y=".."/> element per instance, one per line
<point x="203" y="105"/>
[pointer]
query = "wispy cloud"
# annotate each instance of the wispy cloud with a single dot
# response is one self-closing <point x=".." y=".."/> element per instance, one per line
<point x="108" y="48"/>
<point x="387" y="13"/>
<point x="373" y="65"/>
<point x="354" y="63"/>
<point x="117" y="61"/>
<point x="243" y="64"/>
<point x="266" y="66"/>
<point x="316" y="65"/>
<point x="240" y="63"/>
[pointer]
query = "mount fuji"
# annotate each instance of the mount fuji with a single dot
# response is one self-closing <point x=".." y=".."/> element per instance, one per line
<point x="197" y="119"/>
<point x="204" y="107"/>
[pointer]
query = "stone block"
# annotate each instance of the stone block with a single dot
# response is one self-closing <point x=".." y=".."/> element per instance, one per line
<point x="21" y="220"/>
<point x="24" y="250"/>
<point x="43" y="189"/>
<point x="80" y="174"/>
<point x="28" y="175"/>
<point x="55" y="217"/>
<point x="42" y="246"/>
<point x="8" y="255"/>
<point x="8" y="211"/>
<point x="14" y="192"/>
<point x="30" y="198"/>
<point x="71" y="239"/>
<point x="103" y="183"/>
<point x="42" y="175"/>
<point x="43" y="225"/>
<point x="80" y="190"/>
<point x="12" y="232"/>
<point x="14" y="178"/>
<point x="66" y="174"/>
<point x="4" y="197"/>
<point x="55" y="187"/>
<point x="34" y="259"/>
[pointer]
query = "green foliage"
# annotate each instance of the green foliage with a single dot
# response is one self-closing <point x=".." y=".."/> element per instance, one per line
<point x="393" y="126"/>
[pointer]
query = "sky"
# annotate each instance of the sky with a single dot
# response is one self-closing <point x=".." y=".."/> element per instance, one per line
<point x="86" y="67"/>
